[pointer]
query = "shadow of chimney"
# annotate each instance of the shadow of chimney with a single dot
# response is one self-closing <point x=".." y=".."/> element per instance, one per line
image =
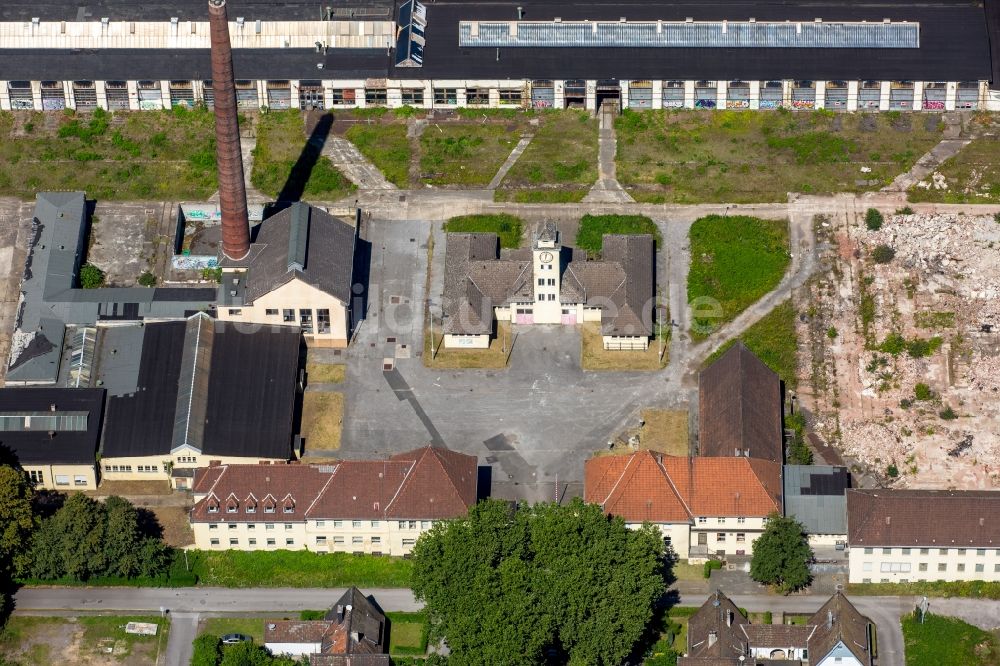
<point x="295" y="186"/>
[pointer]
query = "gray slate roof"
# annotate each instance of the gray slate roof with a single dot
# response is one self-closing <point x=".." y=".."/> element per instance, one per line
<point x="52" y="299"/>
<point x="476" y="280"/>
<point x="815" y="495"/>
<point x="299" y="242"/>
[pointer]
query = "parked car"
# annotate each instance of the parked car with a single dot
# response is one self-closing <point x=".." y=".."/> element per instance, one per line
<point x="232" y="639"/>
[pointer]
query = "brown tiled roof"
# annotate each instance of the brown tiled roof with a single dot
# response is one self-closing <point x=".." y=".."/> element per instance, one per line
<point x="839" y="621"/>
<point x="349" y="660"/>
<point x="739" y="407"/>
<point x="621" y="284"/>
<point x="777" y="635"/>
<point x="709" y="661"/>
<point x="352" y="627"/>
<point x="659" y="488"/>
<point x="940" y="518"/>
<point x="297" y="631"/>
<point x="429" y="483"/>
<point x="714" y="630"/>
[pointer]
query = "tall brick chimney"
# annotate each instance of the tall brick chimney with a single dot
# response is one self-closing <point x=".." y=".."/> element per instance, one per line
<point x="229" y="157"/>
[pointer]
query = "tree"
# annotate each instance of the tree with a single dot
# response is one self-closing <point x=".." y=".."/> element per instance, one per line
<point x="71" y="542"/>
<point x="515" y="586"/>
<point x="17" y="521"/>
<point x="781" y="555"/>
<point x="873" y="219"/>
<point x="91" y="277"/>
<point x="252" y="654"/>
<point x="207" y="650"/>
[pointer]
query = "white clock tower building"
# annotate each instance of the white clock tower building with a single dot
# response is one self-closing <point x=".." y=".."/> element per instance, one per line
<point x="546" y="276"/>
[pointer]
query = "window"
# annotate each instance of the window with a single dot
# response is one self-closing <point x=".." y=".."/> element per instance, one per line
<point x="445" y="96"/>
<point x="961" y="551"/>
<point x="887" y="551"/>
<point x="552" y="297"/>
<point x="343" y="96"/>
<point x="213" y="526"/>
<point x="942" y="551"/>
<point x="541" y="282"/>
<point x="980" y="552"/>
<point x="289" y="508"/>
<point x="288" y="316"/>
<point x="922" y="566"/>
<point x="79" y="480"/>
<point x="252" y="542"/>
<point x="510" y="96"/>
<point x="376" y="539"/>
<point x="288" y="526"/>
<point x="234" y="542"/>
<point x="541" y="297"/>
<point x="268" y="526"/>
<point x="270" y="542"/>
<point x="741" y="520"/>
<point x="320" y="523"/>
<point x="477" y="96"/>
<point x="413" y="96"/>
<point x="408" y="542"/>
<point x="306" y="321"/>
<point x="722" y="521"/>
<point x="552" y="282"/>
<point x="702" y="520"/>
<point x="232" y="526"/>
<point x="720" y="536"/>
<point x="375" y="96"/>
<point x="961" y="567"/>
<point x="357" y="539"/>
<point x="425" y="524"/>
<point x="866" y="566"/>
<point x="214" y="542"/>
<point x="62" y="480"/>
<point x="895" y="567"/>
<point x="884" y="580"/>
<point x="271" y="312"/>
<point x="338" y="540"/>
<point x="979" y="568"/>
<point x="252" y="526"/>
<point x="235" y="312"/>
<point x="996" y="568"/>
<point x="213" y="508"/>
<point x="863" y="580"/>
<point x="323" y="320"/>
<point x="231" y="508"/>
<point x="36" y="475"/>
<point x="413" y="524"/>
<point x="942" y="567"/>
<point x="251" y="508"/>
<point x="376" y="524"/>
<point x="321" y="541"/>
<point x="906" y="551"/>
<point x="925" y="551"/>
<point x="741" y="537"/>
<point x="869" y="551"/>
<point x="187" y="459"/>
<point x="356" y="524"/>
<point x="268" y="508"/>
<point x="289" y="542"/>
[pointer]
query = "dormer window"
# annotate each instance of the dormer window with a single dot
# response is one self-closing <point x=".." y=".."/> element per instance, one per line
<point x="268" y="508"/>
<point x="289" y="508"/>
<point x="231" y="508"/>
<point x="213" y="507"/>
<point x="288" y="504"/>
<point x="252" y="507"/>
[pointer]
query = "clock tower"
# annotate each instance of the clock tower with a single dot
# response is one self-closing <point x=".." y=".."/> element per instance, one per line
<point x="546" y="275"/>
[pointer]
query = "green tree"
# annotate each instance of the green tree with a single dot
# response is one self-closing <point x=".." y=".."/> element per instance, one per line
<point x="123" y="545"/>
<point x="207" y="650"/>
<point x="510" y="586"/>
<point x="17" y="521"/>
<point x="91" y="277"/>
<point x="71" y="542"/>
<point x="252" y="654"/>
<point x="781" y="555"/>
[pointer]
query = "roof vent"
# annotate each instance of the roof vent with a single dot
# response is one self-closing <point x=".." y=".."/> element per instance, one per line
<point x="888" y="520"/>
<point x="982" y="521"/>
<point x="271" y="626"/>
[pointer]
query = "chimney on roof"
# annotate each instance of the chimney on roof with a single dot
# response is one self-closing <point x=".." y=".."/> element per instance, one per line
<point x="729" y="618"/>
<point x="52" y="407"/>
<point x="888" y="520"/>
<point x="829" y="619"/>
<point x="229" y="156"/>
<point x="712" y="638"/>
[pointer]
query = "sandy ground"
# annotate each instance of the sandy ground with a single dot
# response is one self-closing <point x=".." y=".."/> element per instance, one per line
<point x="942" y="287"/>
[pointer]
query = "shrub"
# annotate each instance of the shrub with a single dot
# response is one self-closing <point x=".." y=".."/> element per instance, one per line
<point x="307" y="615"/>
<point x="873" y="219"/>
<point x="892" y="471"/>
<point x="147" y="279"/>
<point x="710" y="566"/>
<point x="996" y="216"/>
<point x="905" y="210"/>
<point x="920" y="348"/>
<point x="207" y="650"/>
<point x="883" y="254"/>
<point x="905" y="403"/>
<point x="768" y="617"/>
<point x="91" y="277"/>
<point x="948" y="414"/>
<point x="832" y="332"/>
<point x="922" y="392"/>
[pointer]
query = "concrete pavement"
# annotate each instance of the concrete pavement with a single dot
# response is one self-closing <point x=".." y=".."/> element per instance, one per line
<point x="183" y="631"/>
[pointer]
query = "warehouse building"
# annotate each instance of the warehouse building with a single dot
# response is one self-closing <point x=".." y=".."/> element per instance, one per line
<point x="900" y="55"/>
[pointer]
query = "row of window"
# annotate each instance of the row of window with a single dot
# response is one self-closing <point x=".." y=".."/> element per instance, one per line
<point x="320" y="541"/>
<point x="118" y="468"/>
<point x="906" y="567"/>
<point x="252" y="508"/>
<point x="720" y="537"/>
<point x="551" y="282"/>
<point x="357" y="524"/>
<point x="38" y="477"/>
<point x="980" y="552"/>
<point x="740" y="520"/>
<point x="304" y="317"/>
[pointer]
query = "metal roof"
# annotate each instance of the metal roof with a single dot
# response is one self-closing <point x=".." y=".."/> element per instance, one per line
<point x="690" y="34"/>
<point x="43" y="421"/>
<point x="192" y="384"/>
<point x="816" y="496"/>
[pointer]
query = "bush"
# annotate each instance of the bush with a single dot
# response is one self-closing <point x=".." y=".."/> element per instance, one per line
<point x="91" y="277"/>
<point x="710" y="566"/>
<point x="883" y="254"/>
<point x="873" y="219"/>
<point x="922" y="392"/>
<point x="768" y="617"/>
<point x="948" y="414"/>
<point x="207" y="650"/>
<point x="507" y="227"/>
<point x="307" y="615"/>
<point x="905" y="210"/>
<point x="905" y="403"/>
<point x="892" y="471"/>
<point x="147" y="279"/>
<point x="831" y="333"/>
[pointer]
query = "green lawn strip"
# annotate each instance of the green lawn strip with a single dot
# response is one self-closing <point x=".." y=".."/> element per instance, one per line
<point x="159" y="155"/>
<point x="593" y="227"/>
<point x="386" y="146"/>
<point x="97" y="628"/>
<point x="773" y="340"/>
<point x="972" y="176"/>
<point x="464" y="154"/>
<point x="281" y="141"/>
<point x="408" y="633"/>
<point x="563" y="153"/>
<point x="947" y="641"/>
<point x="735" y="260"/>
<point x="974" y="589"/>
<point x="294" y="568"/>
<point x="248" y="626"/>
<point x="683" y="156"/>
<point x="508" y="227"/>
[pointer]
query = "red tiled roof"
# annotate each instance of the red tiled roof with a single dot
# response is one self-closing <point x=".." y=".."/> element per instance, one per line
<point x="304" y="631"/>
<point x="428" y="483"/>
<point x="659" y="488"/>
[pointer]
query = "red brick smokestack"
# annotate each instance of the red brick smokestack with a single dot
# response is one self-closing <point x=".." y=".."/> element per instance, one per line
<point x="229" y="157"/>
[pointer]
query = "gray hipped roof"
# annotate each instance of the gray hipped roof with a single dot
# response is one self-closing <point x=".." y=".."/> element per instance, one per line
<point x="476" y="281"/>
<point x="52" y="298"/>
<point x="299" y="242"/>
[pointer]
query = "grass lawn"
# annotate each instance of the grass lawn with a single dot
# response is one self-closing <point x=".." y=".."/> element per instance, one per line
<point x="322" y="419"/>
<point x="593" y="356"/>
<point x="407" y="633"/>
<point x="560" y="163"/>
<point x="672" y="641"/>
<point x="947" y="641"/>
<point x="455" y="359"/>
<point x="685" y="571"/>
<point x="666" y="431"/>
<point x="735" y="260"/>
<point x="465" y="153"/>
<point x="325" y="373"/>
<point x="153" y="155"/>
<point x="297" y="568"/>
<point x="972" y="176"/>
<point x="508" y="227"/>
<point x="773" y="340"/>
<point x="248" y="626"/>
<point x="85" y="639"/>
<point x="687" y="156"/>
<point x="593" y="227"/>
<point x="281" y="140"/>
<point x="384" y="144"/>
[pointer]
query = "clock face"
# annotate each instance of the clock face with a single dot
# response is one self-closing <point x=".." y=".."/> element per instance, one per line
<point x="545" y="256"/>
